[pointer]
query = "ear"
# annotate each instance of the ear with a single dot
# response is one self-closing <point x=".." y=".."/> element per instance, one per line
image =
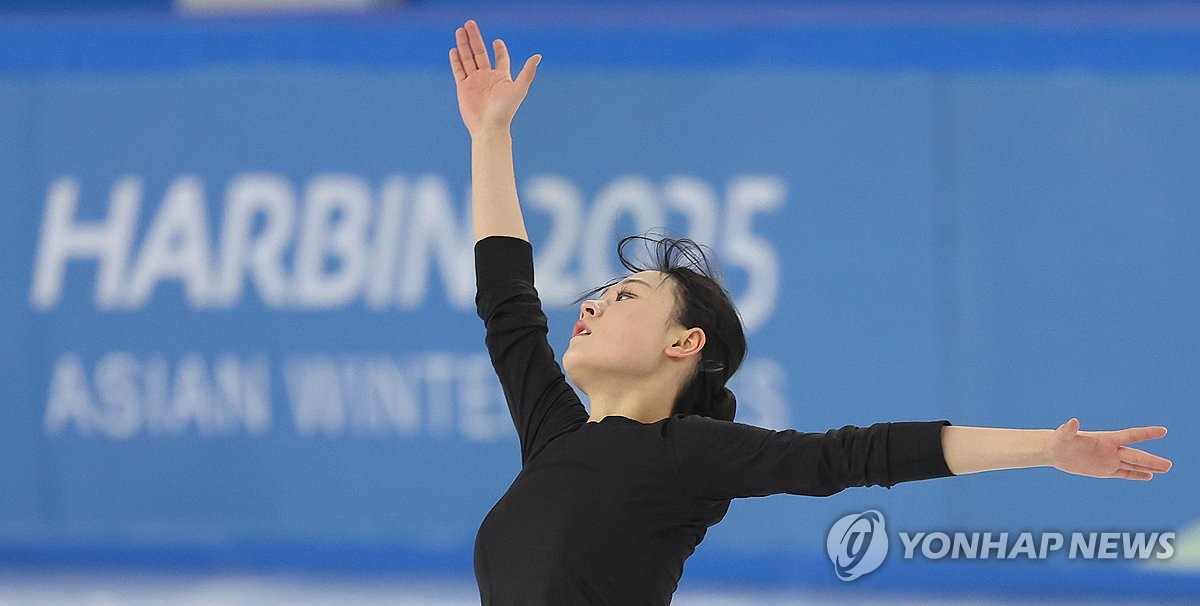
<point x="686" y="343"/>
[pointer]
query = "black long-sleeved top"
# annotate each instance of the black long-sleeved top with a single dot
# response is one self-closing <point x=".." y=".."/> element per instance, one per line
<point x="606" y="512"/>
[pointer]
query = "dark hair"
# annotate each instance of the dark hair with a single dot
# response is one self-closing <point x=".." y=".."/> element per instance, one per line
<point x="700" y="302"/>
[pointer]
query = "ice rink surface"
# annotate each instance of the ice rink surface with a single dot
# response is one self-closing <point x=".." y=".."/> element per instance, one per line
<point x="123" y="587"/>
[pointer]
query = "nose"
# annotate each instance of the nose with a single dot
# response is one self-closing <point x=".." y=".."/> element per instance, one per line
<point x="591" y="308"/>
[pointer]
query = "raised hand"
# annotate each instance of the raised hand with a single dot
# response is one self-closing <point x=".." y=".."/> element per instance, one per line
<point x="1104" y="454"/>
<point x="487" y="97"/>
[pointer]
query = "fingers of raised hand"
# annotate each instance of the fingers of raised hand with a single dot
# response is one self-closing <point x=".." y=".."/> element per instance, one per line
<point x="525" y="78"/>
<point x="478" y="47"/>
<point x="456" y="65"/>
<point x="502" y="60"/>
<point x="464" y="51"/>
<point x="1141" y="460"/>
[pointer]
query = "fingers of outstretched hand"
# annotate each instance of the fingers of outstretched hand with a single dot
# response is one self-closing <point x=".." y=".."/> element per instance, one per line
<point x="1143" y="460"/>
<point x="1139" y="434"/>
<point x="1071" y="426"/>
<point x="525" y="78"/>
<point x="456" y="65"/>
<point x="1133" y="474"/>
<point x="502" y="60"/>
<point x="478" y="46"/>
<point x="464" y="51"/>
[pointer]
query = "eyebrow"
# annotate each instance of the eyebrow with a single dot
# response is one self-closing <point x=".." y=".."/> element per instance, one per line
<point x="638" y="280"/>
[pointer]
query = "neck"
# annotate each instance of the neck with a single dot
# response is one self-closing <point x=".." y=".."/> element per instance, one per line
<point x="648" y="400"/>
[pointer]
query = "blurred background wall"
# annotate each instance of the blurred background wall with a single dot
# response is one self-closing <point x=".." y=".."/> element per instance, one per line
<point x="237" y="292"/>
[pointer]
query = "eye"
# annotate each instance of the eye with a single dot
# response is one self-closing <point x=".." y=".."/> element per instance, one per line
<point x="623" y="293"/>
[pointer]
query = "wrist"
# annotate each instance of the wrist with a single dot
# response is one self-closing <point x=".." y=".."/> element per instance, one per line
<point x="1045" y="452"/>
<point x="491" y="132"/>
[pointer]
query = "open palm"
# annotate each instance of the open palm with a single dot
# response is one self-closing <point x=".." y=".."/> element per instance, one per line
<point x="487" y="96"/>
<point x="1104" y="454"/>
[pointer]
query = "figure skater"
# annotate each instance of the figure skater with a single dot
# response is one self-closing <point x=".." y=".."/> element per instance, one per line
<point x="610" y="502"/>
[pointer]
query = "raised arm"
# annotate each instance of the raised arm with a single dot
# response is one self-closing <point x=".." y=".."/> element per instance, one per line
<point x="1099" y="454"/>
<point x="542" y="404"/>
<point x="488" y="99"/>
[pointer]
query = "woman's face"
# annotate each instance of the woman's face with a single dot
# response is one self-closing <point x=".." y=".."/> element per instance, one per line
<point x="626" y="331"/>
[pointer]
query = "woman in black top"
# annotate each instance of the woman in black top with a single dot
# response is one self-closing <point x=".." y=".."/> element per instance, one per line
<point x="610" y="502"/>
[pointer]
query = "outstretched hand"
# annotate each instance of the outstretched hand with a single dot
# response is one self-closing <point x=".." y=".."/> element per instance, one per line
<point x="1104" y="454"/>
<point x="487" y="96"/>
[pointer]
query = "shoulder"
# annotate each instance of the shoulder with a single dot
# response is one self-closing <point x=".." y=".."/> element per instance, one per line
<point x="685" y="422"/>
<point x="702" y="422"/>
<point x="698" y="430"/>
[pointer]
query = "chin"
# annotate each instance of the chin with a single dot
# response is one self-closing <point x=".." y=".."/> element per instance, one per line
<point x="570" y="366"/>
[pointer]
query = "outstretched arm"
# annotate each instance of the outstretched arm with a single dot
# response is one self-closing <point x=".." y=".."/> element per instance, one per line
<point x="488" y="99"/>
<point x="1099" y="454"/>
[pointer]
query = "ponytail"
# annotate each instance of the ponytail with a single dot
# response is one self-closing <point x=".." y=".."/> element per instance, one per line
<point x="706" y="394"/>
<point x="726" y="408"/>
